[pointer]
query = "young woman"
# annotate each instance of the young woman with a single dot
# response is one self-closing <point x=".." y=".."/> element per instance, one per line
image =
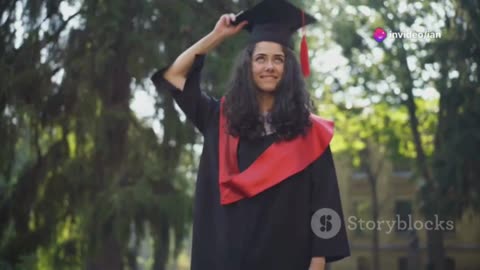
<point x="266" y="194"/>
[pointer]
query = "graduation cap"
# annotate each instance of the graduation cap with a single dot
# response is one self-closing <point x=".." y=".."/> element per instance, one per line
<point x="277" y="21"/>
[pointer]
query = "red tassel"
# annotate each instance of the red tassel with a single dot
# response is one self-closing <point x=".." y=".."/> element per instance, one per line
<point x="304" y="59"/>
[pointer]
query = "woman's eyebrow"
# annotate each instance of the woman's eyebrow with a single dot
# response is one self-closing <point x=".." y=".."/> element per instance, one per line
<point x="277" y="54"/>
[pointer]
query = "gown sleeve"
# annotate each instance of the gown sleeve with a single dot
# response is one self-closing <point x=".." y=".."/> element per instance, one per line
<point x="198" y="107"/>
<point x="326" y="194"/>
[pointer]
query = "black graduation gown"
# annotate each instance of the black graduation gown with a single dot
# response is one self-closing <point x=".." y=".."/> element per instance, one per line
<point x="271" y="230"/>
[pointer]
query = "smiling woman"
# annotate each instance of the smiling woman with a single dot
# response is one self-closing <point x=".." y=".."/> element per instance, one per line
<point x="266" y="166"/>
<point x="267" y="80"/>
<point x="267" y="66"/>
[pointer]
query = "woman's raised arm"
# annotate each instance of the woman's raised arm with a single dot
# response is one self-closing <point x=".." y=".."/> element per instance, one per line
<point x="177" y="72"/>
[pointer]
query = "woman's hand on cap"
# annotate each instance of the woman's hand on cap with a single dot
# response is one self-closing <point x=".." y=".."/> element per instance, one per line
<point x="225" y="28"/>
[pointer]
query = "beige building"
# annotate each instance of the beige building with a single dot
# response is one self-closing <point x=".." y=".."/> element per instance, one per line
<point x="397" y="203"/>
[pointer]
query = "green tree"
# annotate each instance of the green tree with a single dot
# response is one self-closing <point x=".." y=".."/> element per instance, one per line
<point x="79" y="172"/>
<point x="402" y="73"/>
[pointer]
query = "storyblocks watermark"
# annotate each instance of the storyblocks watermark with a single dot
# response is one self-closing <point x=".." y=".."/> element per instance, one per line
<point x="400" y="224"/>
<point x="326" y="223"/>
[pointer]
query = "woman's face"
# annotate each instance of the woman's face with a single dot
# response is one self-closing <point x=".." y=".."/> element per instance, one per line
<point x="268" y="62"/>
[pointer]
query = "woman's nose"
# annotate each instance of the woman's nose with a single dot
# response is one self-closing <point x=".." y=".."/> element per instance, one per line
<point x="269" y="65"/>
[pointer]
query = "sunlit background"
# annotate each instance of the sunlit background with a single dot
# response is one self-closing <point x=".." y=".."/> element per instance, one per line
<point x="97" y="168"/>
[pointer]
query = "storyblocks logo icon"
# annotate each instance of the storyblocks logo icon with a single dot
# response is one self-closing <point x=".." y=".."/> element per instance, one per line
<point x="326" y="223"/>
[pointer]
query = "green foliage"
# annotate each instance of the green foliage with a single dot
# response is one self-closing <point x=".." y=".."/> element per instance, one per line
<point x="418" y="100"/>
<point x="403" y="92"/>
<point x="458" y="138"/>
<point x="79" y="173"/>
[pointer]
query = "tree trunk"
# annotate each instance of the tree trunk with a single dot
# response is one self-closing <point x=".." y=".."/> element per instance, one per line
<point x="435" y="248"/>
<point x="372" y="173"/>
<point x="114" y="90"/>
<point x="161" y="245"/>
<point x="108" y="257"/>
<point x="376" y="238"/>
<point x="436" y="251"/>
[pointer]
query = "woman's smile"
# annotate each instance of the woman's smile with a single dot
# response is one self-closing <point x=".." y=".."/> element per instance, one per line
<point x="268" y="62"/>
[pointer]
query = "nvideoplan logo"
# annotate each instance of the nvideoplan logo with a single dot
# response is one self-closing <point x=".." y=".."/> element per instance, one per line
<point x="379" y="34"/>
<point x="325" y="223"/>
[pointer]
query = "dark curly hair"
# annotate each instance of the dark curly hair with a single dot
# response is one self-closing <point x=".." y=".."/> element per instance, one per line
<point x="292" y="106"/>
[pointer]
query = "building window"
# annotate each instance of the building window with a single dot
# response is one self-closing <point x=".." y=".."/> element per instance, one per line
<point x="362" y="211"/>
<point x="363" y="263"/>
<point x="359" y="176"/>
<point x="449" y="263"/>
<point x="402" y="263"/>
<point x="402" y="164"/>
<point x="403" y="215"/>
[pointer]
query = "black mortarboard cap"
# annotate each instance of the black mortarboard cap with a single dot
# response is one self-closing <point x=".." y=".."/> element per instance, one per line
<point x="277" y="21"/>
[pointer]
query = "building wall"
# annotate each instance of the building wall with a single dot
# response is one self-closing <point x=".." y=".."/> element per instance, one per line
<point x="395" y="188"/>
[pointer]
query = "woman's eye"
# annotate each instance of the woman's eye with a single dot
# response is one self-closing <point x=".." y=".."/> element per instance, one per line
<point x="279" y="60"/>
<point x="260" y="59"/>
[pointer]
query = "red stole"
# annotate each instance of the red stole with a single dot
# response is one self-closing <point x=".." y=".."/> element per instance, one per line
<point x="279" y="161"/>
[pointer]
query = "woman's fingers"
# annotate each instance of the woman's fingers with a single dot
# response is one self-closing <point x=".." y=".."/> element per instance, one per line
<point x="240" y="26"/>
<point x="232" y="17"/>
<point x="243" y="23"/>
<point x="225" y="20"/>
<point x="228" y="19"/>
<point x="226" y="27"/>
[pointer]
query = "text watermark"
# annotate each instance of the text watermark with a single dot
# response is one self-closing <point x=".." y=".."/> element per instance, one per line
<point x="379" y="34"/>
<point x="326" y="223"/>
<point x="400" y="224"/>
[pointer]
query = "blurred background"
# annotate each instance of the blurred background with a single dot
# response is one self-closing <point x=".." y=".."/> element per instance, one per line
<point x="97" y="169"/>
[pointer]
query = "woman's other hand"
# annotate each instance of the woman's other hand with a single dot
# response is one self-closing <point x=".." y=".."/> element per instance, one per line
<point x="317" y="263"/>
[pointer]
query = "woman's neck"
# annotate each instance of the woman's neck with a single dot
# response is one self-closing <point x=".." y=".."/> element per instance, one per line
<point x="265" y="102"/>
